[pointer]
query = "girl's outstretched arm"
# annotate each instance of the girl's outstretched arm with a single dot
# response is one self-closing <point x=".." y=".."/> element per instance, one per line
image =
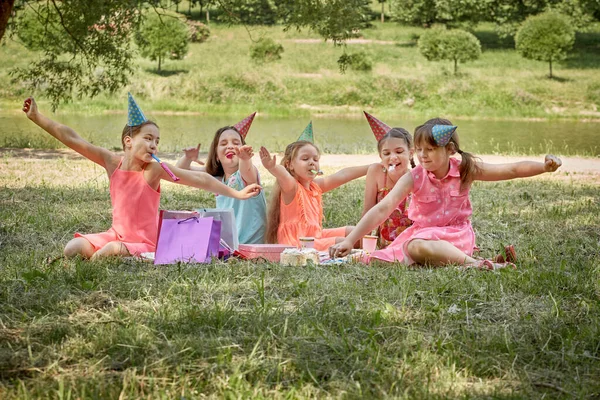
<point x="371" y="187"/>
<point x="341" y="177"/>
<point x="375" y="216"/>
<point x="521" y="169"/>
<point x="202" y="180"/>
<point x="286" y="181"/>
<point x="248" y="171"/>
<point x="70" y="138"/>
<point x="190" y="154"/>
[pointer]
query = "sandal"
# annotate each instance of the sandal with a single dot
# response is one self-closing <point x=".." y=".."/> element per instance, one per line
<point x="509" y="256"/>
<point x="492" y="265"/>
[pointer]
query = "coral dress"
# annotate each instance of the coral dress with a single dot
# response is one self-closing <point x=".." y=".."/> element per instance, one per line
<point x="304" y="217"/>
<point x="439" y="211"/>
<point x="396" y="223"/>
<point x="135" y="213"/>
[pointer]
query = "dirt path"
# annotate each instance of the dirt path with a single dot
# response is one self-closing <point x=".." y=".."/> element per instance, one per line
<point x="570" y="164"/>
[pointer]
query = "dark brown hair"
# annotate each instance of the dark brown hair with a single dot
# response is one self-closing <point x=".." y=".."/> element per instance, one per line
<point x="399" y="133"/>
<point x="468" y="167"/>
<point x="274" y="216"/>
<point x="131" y="131"/>
<point x="213" y="165"/>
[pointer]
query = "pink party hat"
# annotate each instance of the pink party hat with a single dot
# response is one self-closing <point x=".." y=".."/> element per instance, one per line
<point x="379" y="128"/>
<point x="244" y="125"/>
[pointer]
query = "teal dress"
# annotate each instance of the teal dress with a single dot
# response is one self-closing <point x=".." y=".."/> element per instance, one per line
<point x="250" y="215"/>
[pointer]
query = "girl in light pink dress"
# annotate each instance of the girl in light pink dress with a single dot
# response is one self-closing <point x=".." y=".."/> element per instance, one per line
<point x="440" y="208"/>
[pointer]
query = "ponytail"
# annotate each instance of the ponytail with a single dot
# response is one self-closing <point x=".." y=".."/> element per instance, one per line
<point x="469" y="165"/>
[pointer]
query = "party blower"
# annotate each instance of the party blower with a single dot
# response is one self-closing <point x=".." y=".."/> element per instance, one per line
<point x="164" y="166"/>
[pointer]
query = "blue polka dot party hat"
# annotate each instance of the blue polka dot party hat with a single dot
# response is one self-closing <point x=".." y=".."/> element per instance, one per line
<point x="135" y="116"/>
<point x="442" y="133"/>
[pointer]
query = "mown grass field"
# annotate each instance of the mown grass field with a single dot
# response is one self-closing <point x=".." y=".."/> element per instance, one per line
<point x="218" y="77"/>
<point x="127" y="329"/>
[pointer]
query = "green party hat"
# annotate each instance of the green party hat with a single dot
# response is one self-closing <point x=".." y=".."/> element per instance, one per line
<point x="135" y="116"/>
<point x="307" y="134"/>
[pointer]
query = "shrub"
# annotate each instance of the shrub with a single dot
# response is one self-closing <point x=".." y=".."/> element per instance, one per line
<point x="545" y="37"/>
<point x="163" y="35"/>
<point x="454" y="45"/>
<point x="265" y="50"/>
<point x="356" y="61"/>
<point x="199" y="32"/>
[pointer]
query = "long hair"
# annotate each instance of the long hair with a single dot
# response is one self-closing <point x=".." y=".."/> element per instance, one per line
<point x="213" y="165"/>
<point x="273" y="220"/>
<point x="399" y="133"/>
<point x="131" y="131"/>
<point x="468" y="167"/>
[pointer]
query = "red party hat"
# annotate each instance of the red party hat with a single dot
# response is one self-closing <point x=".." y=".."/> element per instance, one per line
<point x="244" y="125"/>
<point x="379" y="128"/>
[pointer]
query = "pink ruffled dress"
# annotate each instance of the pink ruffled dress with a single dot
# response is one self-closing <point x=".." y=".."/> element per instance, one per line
<point x="134" y="216"/>
<point x="304" y="217"/>
<point x="439" y="211"/>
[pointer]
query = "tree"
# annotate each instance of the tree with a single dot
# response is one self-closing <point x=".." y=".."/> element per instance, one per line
<point x="382" y="2"/>
<point x="95" y="53"/>
<point x="545" y="37"/>
<point x="163" y="35"/>
<point x="455" y="45"/>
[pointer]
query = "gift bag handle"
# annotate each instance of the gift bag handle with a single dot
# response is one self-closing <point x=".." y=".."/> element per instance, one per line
<point x="187" y="219"/>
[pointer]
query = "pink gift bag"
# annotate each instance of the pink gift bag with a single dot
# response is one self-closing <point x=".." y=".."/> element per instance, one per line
<point x="191" y="239"/>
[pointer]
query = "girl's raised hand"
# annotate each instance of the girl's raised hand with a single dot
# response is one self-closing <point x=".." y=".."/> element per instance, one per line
<point x="245" y="152"/>
<point x="250" y="191"/>
<point x="30" y="107"/>
<point x="192" y="153"/>
<point x="265" y="157"/>
<point x="551" y="163"/>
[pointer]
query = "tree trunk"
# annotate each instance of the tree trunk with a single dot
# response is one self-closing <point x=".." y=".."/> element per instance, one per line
<point x="6" y="7"/>
<point x="190" y="7"/>
<point x="550" y="68"/>
<point x="382" y="11"/>
<point x="207" y="16"/>
<point x="159" y="60"/>
<point x="455" y="66"/>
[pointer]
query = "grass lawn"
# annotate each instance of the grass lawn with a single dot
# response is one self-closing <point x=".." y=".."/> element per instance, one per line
<point x="127" y="329"/>
<point x="218" y="77"/>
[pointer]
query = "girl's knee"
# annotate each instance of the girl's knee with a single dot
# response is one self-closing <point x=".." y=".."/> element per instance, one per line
<point x="79" y="247"/>
<point x="418" y="248"/>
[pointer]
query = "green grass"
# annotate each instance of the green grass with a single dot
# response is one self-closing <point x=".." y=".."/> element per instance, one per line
<point x="77" y="329"/>
<point x="218" y="77"/>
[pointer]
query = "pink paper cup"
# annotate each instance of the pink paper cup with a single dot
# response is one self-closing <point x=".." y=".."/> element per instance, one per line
<point x="369" y="243"/>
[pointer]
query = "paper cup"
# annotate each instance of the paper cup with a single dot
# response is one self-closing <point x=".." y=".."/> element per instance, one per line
<point x="369" y="243"/>
<point x="307" y="242"/>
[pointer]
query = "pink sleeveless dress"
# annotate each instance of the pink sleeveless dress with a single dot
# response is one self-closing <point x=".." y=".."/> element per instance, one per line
<point x="134" y="216"/>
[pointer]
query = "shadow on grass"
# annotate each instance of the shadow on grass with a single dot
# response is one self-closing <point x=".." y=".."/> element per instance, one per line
<point x="166" y="73"/>
<point x="491" y="40"/>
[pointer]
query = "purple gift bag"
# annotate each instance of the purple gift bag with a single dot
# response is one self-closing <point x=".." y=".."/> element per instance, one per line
<point x="191" y="239"/>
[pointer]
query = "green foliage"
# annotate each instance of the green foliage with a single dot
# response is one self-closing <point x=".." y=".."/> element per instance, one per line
<point x="454" y="45"/>
<point x="545" y="37"/>
<point x="249" y="12"/>
<point x="429" y="12"/>
<point x="85" y="49"/>
<point x="266" y="50"/>
<point x="358" y="61"/>
<point x="337" y="20"/>
<point x="163" y="35"/>
<point x="199" y="32"/>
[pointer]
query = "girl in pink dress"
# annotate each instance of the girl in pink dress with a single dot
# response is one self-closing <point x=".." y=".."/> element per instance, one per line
<point x="441" y="233"/>
<point x="134" y="184"/>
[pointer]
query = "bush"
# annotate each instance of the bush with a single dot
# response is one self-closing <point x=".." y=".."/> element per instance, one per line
<point x="265" y="50"/>
<point x="454" y="45"/>
<point x="199" y="32"/>
<point x="163" y="35"/>
<point x="355" y="61"/>
<point x="545" y="37"/>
